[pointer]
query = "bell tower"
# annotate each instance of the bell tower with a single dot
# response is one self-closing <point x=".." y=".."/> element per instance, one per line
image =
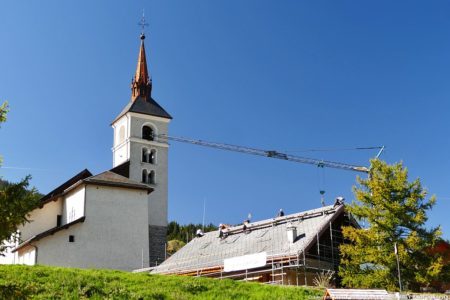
<point x="140" y="156"/>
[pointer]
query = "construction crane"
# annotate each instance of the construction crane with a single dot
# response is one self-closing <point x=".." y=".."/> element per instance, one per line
<point x="267" y="153"/>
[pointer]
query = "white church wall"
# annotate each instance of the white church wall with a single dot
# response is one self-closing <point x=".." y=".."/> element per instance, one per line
<point x="7" y="256"/>
<point x="120" y="155"/>
<point x="122" y="213"/>
<point x="121" y="145"/>
<point x="114" y="234"/>
<point x="74" y="205"/>
<point x="158" y="198"/>
<point x="160" y="124"/>
<point x="41" y="219"/>
<point x="56" y="250"/>
<point x="26" y="256"/>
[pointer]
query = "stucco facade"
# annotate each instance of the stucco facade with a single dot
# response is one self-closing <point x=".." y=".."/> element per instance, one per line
<point x="112" y="235"/>
<point x="42" y="219"/>
<point x="129" y="145"/>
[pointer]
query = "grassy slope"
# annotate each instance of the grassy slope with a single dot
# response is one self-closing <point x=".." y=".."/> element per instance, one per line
<point x="39" y="282"/>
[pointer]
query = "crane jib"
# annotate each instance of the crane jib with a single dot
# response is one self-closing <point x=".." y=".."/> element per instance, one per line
<point x="265" y="153"/>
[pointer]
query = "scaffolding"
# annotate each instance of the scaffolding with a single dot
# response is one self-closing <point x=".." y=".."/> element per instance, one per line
<point x="290" y="269"/>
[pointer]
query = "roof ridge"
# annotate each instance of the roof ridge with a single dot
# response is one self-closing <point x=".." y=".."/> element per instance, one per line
<point x="64" y="186"/>
<point x="110" y="178"/>
<point x="284" y="219"/>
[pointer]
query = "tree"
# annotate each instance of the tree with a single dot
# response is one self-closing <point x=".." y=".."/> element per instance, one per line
<point x="16" y="201"/>
<point x="395" y="211"/>
<point x="3" y="112"/>
<point x="179" y="235"/>
<point x="186" y="232"/>
<point x="174" y="245"/>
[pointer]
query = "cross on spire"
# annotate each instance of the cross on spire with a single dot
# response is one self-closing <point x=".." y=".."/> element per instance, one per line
<point x="142" y="23"/>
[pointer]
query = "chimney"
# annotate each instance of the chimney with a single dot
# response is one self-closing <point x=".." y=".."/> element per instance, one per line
<point x="291" y="232"/>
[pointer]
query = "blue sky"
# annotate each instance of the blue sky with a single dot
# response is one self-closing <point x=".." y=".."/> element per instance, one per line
<point x="285" y="75"/>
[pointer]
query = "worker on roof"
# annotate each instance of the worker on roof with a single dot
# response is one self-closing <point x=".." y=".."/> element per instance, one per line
<point x="245" y="225"/>
<point x="223" y="231"/>
<point x="280" y="213"/>
<point x="339" y="201"/>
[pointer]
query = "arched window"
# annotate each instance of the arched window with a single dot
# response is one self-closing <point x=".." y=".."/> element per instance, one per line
<point x="147" y="133"/>
<point x="152" y="157"/>
<point x="151" y="177"/>
<point x="144" y="176"/>
<point x="121" y="134"/>
<point x="144" y="155"/>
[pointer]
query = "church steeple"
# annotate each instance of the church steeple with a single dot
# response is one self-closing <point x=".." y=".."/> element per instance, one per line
<point x="138" y="155"/>
<point x="141" y="85"/>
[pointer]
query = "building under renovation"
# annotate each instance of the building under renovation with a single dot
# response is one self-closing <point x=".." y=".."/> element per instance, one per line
<point x="288" y="249"/>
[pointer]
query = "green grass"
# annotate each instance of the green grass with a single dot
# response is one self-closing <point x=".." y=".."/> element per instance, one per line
<point x="39" y="282"/>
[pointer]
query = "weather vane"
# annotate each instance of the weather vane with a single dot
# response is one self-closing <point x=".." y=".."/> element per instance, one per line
<point x="142" y="22"/>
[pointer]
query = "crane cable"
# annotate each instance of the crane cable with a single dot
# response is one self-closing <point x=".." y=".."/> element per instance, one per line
<point x="321" y="183"/>
<point x="335" y="149"/>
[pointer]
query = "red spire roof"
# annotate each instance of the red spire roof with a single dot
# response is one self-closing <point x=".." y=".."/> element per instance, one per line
<point x="141" y="88"/>
<point x="142" y="84"/>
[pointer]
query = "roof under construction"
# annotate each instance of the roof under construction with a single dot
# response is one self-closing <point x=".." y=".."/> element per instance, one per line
<point x="269" y="236"/>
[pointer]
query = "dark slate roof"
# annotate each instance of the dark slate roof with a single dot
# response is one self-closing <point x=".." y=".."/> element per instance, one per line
<point x="115" y="177"/>
<point x="60" y="189"/>
<point x="122" y="169"/>
<point x="268" y="236"/>
<point x="142" y="106"/>
<point x="109" y="178"/>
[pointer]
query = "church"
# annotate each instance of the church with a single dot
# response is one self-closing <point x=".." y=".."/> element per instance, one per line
<point x="116" y="219"/>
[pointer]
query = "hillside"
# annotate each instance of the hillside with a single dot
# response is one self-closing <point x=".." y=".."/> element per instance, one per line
<point x="39" y="282"/>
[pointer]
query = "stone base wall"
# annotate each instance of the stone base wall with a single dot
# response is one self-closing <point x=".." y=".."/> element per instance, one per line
<point x="157" y="246"/>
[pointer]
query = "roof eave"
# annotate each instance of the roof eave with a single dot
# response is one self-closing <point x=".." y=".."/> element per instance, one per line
<point x="340" y="210"/>
<point x="118" y="184"/>
<point x="47" y="233"/>
<point x="57" y="192"/>
<point x="145" y="114"/>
